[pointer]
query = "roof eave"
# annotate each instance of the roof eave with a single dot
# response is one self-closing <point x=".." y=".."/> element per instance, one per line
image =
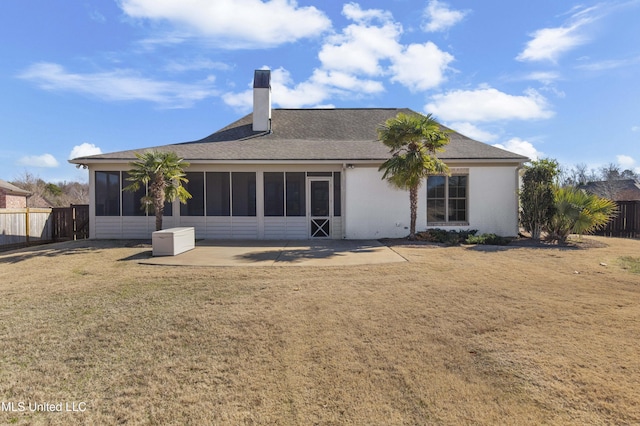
<point x="90" y="161"/>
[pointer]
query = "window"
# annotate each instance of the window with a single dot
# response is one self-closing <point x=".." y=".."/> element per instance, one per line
<point x="273" y="194"/>
<point x="243" y="193"/>
<point x="284" y="194"/>
<point x="296" y="201"/>
<point x="107" y="193"/>
<point x="195" y="186"/>
<point x="457" y="198"/>
<point x="218" y="194"/>
<point x="168" y="209"/>
<point x="337" y="194"/>
<point x="447" y="199"/>
<point x="131" y="201"/>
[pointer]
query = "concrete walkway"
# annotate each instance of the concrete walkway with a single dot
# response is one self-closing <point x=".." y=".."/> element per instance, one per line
<point x="281" y="253"/>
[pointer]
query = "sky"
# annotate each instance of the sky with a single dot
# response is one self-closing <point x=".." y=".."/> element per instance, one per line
<point x="546" y="79"/>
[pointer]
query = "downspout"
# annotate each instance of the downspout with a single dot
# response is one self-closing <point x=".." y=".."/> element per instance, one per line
<point x="519" y="169"/>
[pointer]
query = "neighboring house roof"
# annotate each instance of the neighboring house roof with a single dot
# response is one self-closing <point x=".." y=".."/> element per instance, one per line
<point x="37" y="200"/>
<point x="308" y="135"/>
<point x="616" y="190"/>
<point x="12" y="189"/>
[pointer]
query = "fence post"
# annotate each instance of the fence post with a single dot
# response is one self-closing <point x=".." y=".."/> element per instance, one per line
<point x="27" y="224"/>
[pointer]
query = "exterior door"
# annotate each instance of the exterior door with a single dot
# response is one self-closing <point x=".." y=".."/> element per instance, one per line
<point x="320" y="206"/>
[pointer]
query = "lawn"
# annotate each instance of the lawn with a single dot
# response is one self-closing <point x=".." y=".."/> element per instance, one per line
<point x="456" y="335"/>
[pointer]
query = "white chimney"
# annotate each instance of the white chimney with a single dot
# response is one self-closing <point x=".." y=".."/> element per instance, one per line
<point x="262" y="101"/>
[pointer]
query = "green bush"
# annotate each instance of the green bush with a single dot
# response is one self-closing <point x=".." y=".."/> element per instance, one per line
<point x="487" y="239"/>
<point x="442" y="236"/>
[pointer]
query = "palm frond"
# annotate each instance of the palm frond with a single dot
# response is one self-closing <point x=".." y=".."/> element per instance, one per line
<point x="413" y="141"/>
<point x="163" y="173"/>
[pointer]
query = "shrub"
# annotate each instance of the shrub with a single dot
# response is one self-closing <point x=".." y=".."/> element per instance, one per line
<point x="487" y="239"/>
<point x="536" y="196"/>
<point x="442" y="236"/>
<point x="578" y="212"/>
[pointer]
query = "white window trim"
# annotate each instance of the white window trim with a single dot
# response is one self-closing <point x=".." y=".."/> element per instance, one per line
<point x="453" y="172"/>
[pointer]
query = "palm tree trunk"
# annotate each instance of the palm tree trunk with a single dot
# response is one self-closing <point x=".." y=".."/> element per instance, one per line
<point x="158" y="221"/>
<point x="158" y="208"/>
<point x="158" y="199"/>
<point x="413" y="199"/>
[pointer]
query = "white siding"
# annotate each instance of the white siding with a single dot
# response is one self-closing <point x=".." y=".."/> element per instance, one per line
<point x="199" y="223"/>
<point x="493" y="200"/>
<point x="138" y="227"/>
<point x="219" y="227"/>
<point x="294" y="228"/>
<point x="107" y="227"/>
<point x="215" y="227"/>
<point x="374" y="209"/>
<point x="336" y="230"/>
<point x="244" y="228"/>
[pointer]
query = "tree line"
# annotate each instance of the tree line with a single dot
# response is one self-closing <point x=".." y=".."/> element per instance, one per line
<point x="580" y="174"/>
<point x="52" y="194"/>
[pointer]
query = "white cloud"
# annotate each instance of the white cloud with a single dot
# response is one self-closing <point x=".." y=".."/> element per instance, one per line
<point x="240" y="101"/>
<point x="521" y="147"/>
<point x="44" y="160"/>
<point x="196" y="64"/>
<point x="603" y="65"/>
<point x="440" y="18"/>
<point x="83" y="150"/>
<point x="347" y="82"/>
<point x="118" y="85"/>
<point x="354" y="12"/>
<point x="354" y="62"/>
<point x="285" y="93"/>
<point x="235" y="23"/>
<point x="371" y="46"/>
<point x="472" y="131"/>
<point x="548" y="44"/>
<point x="625" y="161"/>
<point x="635" y="128"/>
<point x="544" y="77"/>
<point x="420" y="66"/>
<point x="360" y="48"/>
<point x="488" y="104"/>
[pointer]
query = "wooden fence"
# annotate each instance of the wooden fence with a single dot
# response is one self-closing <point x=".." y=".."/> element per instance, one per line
<point x="23" y="227"/>
<point x="626" y="224"/>
<point x="71" y="223"/>
<point x="20" y="227"/>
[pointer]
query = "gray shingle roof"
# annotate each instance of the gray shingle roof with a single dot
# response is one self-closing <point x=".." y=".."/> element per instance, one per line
<point x="308" y="134"/>
<point x="617" y="190"/>
<point x="12" y="189"/>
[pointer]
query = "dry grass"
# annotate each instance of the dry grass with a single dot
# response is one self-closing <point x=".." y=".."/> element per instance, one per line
<point x="457" y="335"/>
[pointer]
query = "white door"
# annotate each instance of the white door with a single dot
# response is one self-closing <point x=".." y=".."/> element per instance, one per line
<point x="320" y="206"/>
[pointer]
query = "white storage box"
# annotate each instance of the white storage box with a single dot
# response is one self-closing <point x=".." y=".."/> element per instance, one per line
<point x="172" y="241"/>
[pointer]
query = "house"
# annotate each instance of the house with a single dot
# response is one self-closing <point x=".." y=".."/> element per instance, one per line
<point x="308" y="173"/>
<point x="12" y="197"/>
<point x="616" y="190"/>
<point x="626" y="194"/>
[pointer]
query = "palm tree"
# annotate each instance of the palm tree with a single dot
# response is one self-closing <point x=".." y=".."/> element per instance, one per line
<point x="578" y="212"/>
<point x="163" y="173"/>
<point x="413" y="141"/>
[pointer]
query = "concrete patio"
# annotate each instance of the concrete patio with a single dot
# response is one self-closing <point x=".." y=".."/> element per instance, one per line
<point x="281" y="253"/>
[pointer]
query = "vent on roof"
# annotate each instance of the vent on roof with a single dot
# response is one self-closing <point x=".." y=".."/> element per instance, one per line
<point x="261" y="100"/>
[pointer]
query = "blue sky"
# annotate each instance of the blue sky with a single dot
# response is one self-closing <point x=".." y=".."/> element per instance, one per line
<point x="556" y="79"/>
